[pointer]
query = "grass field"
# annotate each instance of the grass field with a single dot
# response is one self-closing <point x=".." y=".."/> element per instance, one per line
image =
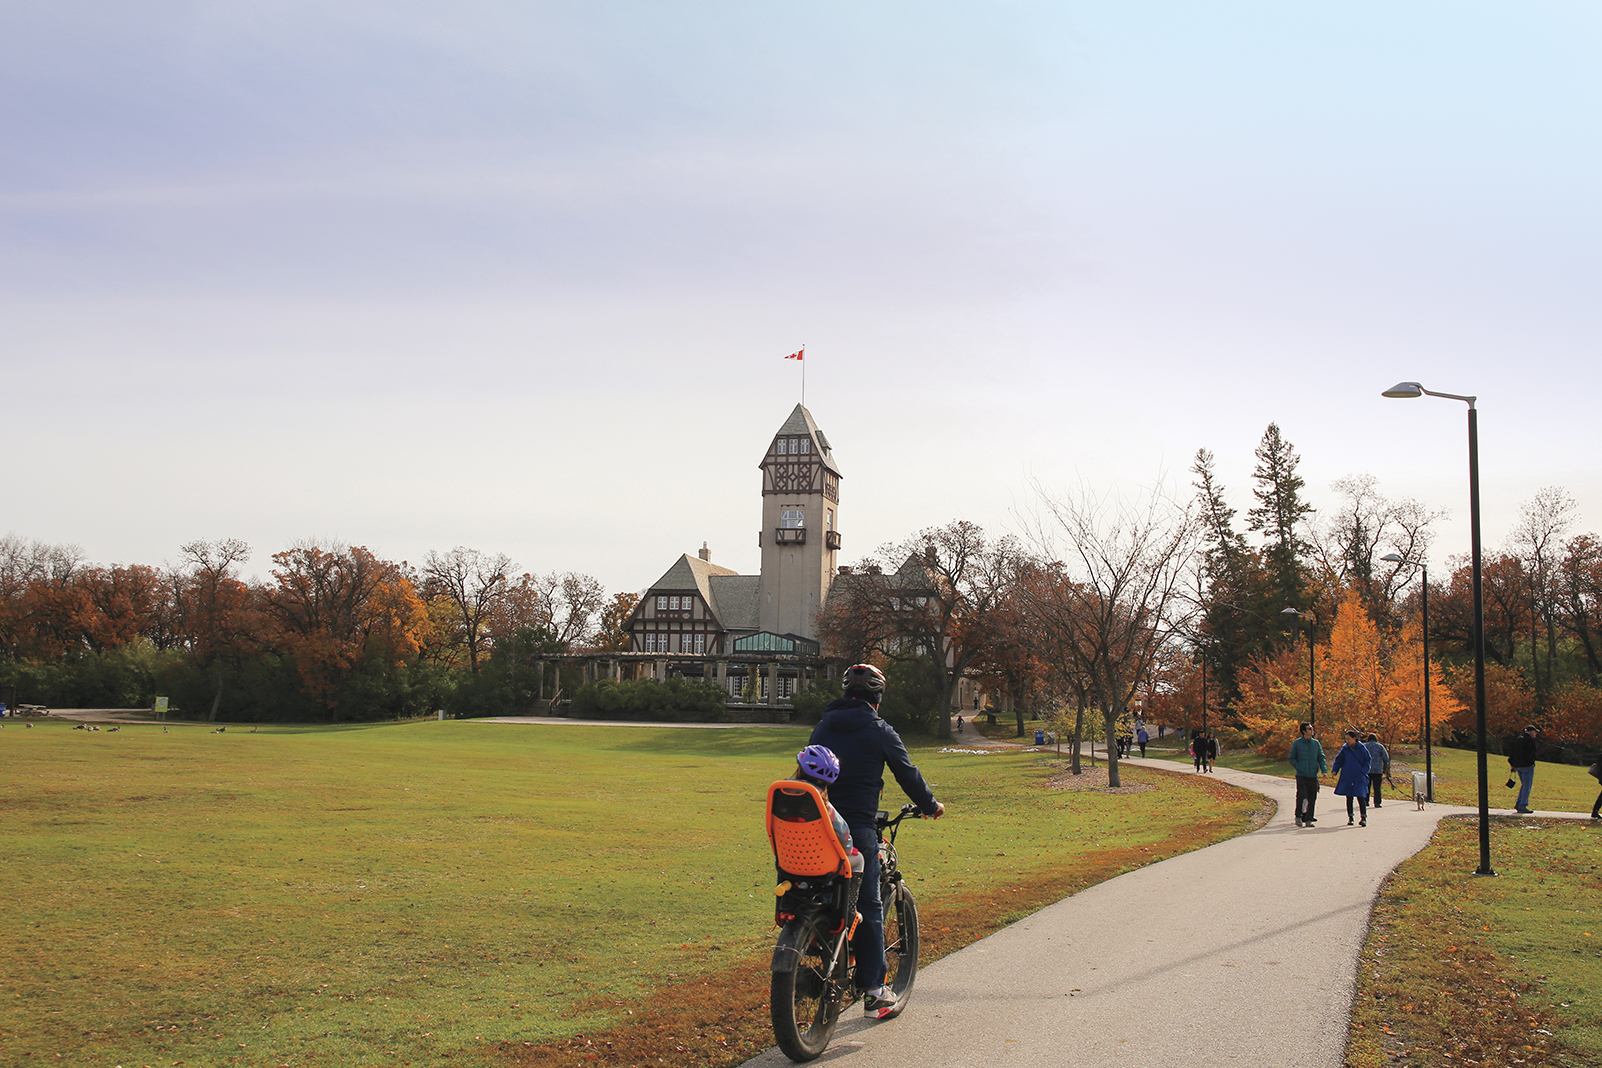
<point x="1558" y="787"/>
<point x="467" y="893"/>
<point x="1460" y="969"/>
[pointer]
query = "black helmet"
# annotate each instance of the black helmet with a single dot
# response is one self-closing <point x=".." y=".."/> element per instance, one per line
<point x="866" y="681"/>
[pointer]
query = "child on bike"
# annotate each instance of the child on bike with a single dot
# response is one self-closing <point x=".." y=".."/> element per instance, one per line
<point x="817" y="764"/>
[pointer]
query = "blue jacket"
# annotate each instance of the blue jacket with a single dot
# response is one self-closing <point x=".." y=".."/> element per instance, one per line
<point x="865" y="744"/>
<point x="1351" y="767"/>
<point x="1307" y="758"/>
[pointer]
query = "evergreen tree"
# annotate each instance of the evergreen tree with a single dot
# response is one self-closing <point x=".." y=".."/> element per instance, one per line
<point x="1279" y="513"/>
<point x="1237" y="623"/>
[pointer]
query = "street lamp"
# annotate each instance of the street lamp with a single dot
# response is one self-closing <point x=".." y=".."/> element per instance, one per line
<point x="1201" y="661"/>
<point x="1312" y="678"/>
<point x="1429" y="738"/>
<point x="1413" y="389"/>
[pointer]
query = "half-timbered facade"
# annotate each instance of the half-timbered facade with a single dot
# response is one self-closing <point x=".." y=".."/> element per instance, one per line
<point x="698" y="608"/>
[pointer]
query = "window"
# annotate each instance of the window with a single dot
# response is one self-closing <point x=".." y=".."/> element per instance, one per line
<point x="694" y="643"/>
<point x="828" y="519"/>
<point x="792" y="519"/>
<point x="661" y="604"/>
<point x="806" y="446"/>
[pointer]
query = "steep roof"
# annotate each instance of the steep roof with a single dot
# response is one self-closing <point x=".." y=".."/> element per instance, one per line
<point x="737" y="601"/>
<point x="800" y="422"/>
<point x="693" y="573"/>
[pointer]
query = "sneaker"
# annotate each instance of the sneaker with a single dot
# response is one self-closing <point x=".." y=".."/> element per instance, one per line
<point x="1524" y="811"/>
<point x="1298" y="821"/>
<point x="879" y="1004"/>
<point x="1363" y="822"/>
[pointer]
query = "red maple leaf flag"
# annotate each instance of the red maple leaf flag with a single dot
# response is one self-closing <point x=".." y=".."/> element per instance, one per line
<point x="796" y="355"/>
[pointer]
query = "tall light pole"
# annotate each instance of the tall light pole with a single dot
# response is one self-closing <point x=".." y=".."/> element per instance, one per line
<point x="1409" y="390"/>
<point x="1312" y="677"/>
<point x="1202" y="662"/>
<point x="1429" y="737"/>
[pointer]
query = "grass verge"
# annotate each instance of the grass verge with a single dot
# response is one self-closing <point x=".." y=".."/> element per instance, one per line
<point x="471" y="894"/>
<point x="1460" y="969"/>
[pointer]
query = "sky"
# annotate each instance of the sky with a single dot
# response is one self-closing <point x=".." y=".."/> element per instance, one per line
<point x="521" y="276"/>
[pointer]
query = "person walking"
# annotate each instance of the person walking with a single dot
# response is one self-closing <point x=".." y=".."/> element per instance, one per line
<point x="1307" y="761"/>
<point x="1379" y="765"/>
<point x="1521" y="758"/>
<point x="1212" y="752"/>
<point x="1142" y="736"/>
<point x="1351" y="776"/>
<point x="1595" y="771"/>
<point x="1198" y="750"/>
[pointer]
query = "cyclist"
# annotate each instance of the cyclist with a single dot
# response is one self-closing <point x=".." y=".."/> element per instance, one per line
<point x="865" y="744"/>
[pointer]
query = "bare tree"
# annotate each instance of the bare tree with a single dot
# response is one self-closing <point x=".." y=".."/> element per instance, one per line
<point x="1348" y="541"/>
<point x="213" y="604"/>
<point x="1107" y="585"/>
<point x="476" y="584"/>
<point x="1537" y="541"/>
<point x="940" y="604"/>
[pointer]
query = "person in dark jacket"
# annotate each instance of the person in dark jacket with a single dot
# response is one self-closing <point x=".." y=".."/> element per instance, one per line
<point x="866" y="745"/>
<point x="1379" y="765"/>
<point x="1307" y="761"/>
<point x="1351" y="776"/>
<point x="1521" y="758"/>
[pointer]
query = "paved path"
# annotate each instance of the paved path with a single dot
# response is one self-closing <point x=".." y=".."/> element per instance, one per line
<point x="1255" y="963"/>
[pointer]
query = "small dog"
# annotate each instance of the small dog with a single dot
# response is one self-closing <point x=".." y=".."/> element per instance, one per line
<point x="1421" y="789"/>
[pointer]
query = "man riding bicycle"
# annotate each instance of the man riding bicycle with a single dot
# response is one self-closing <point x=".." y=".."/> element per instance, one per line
<point x="865" y="744"/>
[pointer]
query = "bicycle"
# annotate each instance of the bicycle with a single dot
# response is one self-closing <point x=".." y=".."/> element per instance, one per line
<point x="813" y="970"/>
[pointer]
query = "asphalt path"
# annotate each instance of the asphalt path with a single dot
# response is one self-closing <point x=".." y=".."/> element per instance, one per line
<point x="1254" y="962"/>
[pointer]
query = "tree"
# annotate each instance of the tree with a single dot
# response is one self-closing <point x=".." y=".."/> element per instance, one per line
<point x="1348" y="543"/>
<point x="1279" y="515"/>
<point x="1580" y="581"/>
<point x="335" y="610"/>
<point x="1106" y="585"/>
<point x="610" y="633"/>
<point x="564" y="605"/>
<point x="475" y="584"/>
<point x="1536" y="542"/>
<point x="1238" y="624"/>
<point x="939" y="606"/>
<point x="214" y="607"/>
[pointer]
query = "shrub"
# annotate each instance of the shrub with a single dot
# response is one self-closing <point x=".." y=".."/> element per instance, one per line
<point x="673" y="701"/>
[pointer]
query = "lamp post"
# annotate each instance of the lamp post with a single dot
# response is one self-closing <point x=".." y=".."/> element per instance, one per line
<point x="1408" y="390"/>
<point x="1429" y="737"/>
<point x="1312" y="677"/>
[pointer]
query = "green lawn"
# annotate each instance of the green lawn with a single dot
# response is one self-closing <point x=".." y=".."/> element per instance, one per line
<point x="1462" y="969"/>
<point x="1558" y="787"/>
<point x="417" y="893"/>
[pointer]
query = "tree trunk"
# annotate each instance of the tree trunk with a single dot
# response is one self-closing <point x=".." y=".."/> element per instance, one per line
<point x="1079" y="734"/>
<point x="1109" y="715"/>
<point x="216" y="700"/>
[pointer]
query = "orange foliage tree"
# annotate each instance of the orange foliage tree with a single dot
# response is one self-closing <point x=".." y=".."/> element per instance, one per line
<point x="1509" y="702"/>
<point x="1365" y="681"/>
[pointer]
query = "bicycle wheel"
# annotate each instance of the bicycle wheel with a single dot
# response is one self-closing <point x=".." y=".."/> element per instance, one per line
<point x="900" y="944"/>
<point x="804" y="1012"/>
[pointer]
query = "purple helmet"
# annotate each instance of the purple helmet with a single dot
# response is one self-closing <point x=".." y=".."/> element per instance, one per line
<point x="819" y="762"/>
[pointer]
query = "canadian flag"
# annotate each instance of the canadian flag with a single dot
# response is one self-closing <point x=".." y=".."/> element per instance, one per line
<point x="797" y="355"/>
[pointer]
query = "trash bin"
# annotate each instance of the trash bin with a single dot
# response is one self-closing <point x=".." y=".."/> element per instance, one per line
<point x="1040" y="737"/>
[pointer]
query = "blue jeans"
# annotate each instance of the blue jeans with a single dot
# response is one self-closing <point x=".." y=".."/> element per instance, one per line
<point x="868" y="944"/>
<point x="1526" y="780"/>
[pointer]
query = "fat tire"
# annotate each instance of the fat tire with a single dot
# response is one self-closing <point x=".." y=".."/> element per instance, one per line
<point x="900" y="944"/>
<point x="804" y="1015"/>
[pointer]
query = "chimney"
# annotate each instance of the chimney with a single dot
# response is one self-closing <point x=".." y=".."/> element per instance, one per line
<point x="705" y="554"/>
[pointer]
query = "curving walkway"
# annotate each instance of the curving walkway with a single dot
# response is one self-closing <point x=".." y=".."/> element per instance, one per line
<point x="1255" y="965"/>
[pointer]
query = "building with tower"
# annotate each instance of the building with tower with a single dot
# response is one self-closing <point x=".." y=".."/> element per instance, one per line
<point x="721" y="618"/>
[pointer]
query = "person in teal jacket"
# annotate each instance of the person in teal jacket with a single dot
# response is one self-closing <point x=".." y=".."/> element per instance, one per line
<point x="1351" y="776"/>
<point x="1307" y="760"/>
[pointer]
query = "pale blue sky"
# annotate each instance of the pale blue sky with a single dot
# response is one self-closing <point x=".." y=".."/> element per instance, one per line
<point x="521" y="276"/>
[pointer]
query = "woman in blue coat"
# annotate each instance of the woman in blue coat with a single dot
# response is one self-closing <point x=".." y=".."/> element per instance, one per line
<point x="1351" y="776"/>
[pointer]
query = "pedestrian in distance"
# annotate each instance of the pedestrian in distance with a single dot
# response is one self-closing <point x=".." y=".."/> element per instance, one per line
<point x="1307" y="761"/>
<point x="1379" y="765"/>
<point x="1521" y="758"/>
<point x="1351" y="776"/>
<point x="1142" y="736"/>
<point x="1198" y="750"/>
<point x="1595" y="771"/>
<point x="1212" y="752"/>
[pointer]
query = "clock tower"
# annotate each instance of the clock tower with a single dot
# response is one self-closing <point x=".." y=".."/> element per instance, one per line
<point x="800" y="526"/>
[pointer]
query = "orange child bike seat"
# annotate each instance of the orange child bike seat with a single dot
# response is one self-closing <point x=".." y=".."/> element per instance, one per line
<point x="802" y="835"/>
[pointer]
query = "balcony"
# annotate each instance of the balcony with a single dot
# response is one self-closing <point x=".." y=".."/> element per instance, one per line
<point x="831" y="539"/>
<point x="790" y="536"/>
